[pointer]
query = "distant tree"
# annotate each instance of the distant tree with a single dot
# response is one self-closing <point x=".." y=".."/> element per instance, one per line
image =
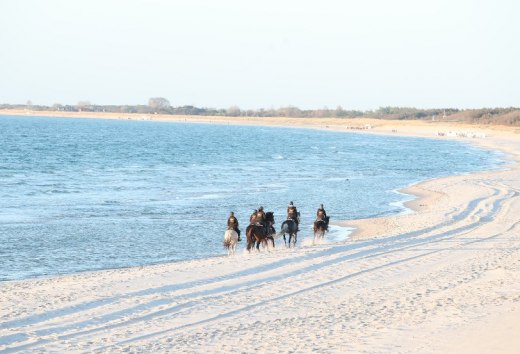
<point x="340" y="112"/>
<point x="159" y="103"/>
<point x="233" y="111"/>
<point x="83" y="106"/>
<point x="289" y="111"/>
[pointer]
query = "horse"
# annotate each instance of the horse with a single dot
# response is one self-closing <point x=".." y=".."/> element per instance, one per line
<point x="320" y="227"/>
<point x="230" y="241"/>
<point x="260" y="234"/>
<point x="289" y="227"/>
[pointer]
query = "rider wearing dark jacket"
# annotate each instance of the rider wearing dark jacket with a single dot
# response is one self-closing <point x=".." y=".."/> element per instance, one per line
<point x="321" y="214"/>
<point x="260" y="216"/>
<point x="232" y="223"/>
<point x="292" y="213"/>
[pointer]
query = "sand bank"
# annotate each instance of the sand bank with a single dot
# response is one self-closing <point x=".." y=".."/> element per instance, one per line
<point x="445" y="278"/>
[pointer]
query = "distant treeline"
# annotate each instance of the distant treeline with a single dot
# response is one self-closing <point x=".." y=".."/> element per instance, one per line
<point x="159" y="105"/>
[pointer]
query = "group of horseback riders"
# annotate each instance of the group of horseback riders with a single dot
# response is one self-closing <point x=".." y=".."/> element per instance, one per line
<point x="258" y="217"/>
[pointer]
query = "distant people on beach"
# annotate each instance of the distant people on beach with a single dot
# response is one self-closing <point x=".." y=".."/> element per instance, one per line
<point x="290" y="226"/>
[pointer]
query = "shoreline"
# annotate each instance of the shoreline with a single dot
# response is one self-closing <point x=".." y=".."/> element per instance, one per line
<point x="444" y="278"/>
<point x="405" y="128"/>
<point x="356" y="125"/>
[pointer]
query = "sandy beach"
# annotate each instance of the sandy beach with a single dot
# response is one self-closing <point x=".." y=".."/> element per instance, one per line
<point x="444" y="278"/>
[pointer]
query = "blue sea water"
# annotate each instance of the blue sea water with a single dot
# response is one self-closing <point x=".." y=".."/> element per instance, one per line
<point x="85" y="194"/>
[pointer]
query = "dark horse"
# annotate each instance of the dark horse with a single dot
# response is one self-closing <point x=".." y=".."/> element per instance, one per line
<point x="320" y="227"/>
<point x="260" y="233"/>
<point x="289" y="227"/>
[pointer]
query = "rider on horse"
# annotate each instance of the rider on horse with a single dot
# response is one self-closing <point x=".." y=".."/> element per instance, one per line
<point x="322" y="215"/>
<point x="232" y="223"/>
<point x="260" y="218"/>
<point x="252" y="218"/>
<point x="292" y="213"/>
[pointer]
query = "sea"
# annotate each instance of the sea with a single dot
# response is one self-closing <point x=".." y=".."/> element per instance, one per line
<point x="87" y="194"/>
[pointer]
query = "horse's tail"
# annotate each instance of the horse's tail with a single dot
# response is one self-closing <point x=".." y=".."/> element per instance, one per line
<point x="249" y="237"/>
<point x="227" y="243"/>
<point x="248" y="232"/>
<point x="227" y="239"/>
<point x="284" y="229"/>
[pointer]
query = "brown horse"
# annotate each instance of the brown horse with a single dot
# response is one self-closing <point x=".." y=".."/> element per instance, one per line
<point x="260" y="234"/>
<point x="320" y="227"/>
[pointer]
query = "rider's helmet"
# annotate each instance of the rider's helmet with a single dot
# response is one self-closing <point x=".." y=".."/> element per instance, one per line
<point x="321" y="206"/>
<point x="291" y="203"/>
<point x="261" y="208"/>
<point x="232" y="214"/>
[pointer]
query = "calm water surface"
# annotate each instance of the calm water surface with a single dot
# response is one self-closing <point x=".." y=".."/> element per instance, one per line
<point x="81" y="194"/>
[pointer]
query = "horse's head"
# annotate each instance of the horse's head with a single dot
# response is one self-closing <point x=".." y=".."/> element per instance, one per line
<point x="269" y="217"/>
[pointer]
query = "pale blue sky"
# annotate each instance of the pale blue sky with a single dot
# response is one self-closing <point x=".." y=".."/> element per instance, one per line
<point x="357" y="54"/>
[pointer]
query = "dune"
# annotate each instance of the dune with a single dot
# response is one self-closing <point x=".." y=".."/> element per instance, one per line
<point x="444" y="278"/>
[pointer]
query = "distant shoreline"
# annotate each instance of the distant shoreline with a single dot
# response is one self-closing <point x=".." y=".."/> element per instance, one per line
<point x="418" y="128"/>
<point x="411" y="128"/>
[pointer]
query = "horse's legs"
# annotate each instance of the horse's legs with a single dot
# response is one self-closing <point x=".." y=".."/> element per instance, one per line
<point x="266" y="242"/>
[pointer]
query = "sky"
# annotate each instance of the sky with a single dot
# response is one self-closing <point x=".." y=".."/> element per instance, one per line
<point x="262" y="54"/>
